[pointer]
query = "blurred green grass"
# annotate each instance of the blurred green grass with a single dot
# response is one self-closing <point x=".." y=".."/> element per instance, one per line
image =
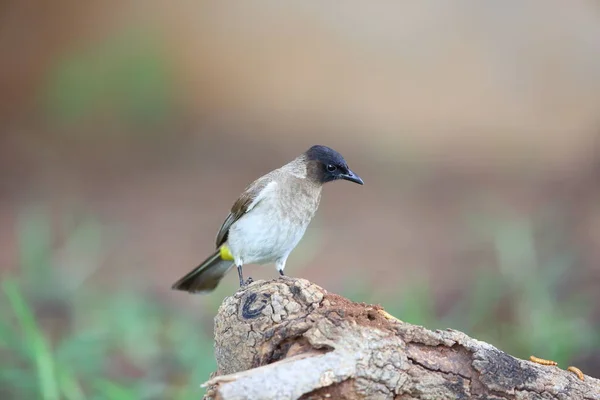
<point x="62" y="337"/>
<point x="65" y="338"/>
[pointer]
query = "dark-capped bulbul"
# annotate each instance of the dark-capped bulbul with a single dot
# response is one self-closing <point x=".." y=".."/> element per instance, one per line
<point x="270" y="217"/>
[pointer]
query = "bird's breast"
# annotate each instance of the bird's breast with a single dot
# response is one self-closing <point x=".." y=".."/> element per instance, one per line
<point x="273" y="228"/>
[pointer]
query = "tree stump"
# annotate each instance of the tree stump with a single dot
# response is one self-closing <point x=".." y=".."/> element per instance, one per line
<point x="291" y="339"/>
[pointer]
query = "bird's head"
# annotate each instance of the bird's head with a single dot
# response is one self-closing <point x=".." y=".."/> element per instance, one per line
<point x="328" y="165"/>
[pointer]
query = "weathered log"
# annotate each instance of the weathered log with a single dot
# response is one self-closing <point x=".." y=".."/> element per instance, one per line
<point x="291" y="339"/>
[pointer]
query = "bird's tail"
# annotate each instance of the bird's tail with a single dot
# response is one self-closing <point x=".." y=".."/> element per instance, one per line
<point x="206" y="276"/>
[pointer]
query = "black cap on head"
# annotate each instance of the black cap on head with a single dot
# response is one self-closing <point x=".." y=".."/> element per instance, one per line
<point x="325" y="155"/>
<point x="330" y="165"/>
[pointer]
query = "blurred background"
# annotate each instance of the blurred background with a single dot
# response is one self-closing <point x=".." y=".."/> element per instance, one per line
<point x="127" y="130"/>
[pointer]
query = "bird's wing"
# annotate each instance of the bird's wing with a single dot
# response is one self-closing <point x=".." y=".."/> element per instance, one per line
<point x="253" y="194"/>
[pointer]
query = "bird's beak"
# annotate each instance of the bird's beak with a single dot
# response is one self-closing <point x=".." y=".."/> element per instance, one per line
<point x="352" y="177"/>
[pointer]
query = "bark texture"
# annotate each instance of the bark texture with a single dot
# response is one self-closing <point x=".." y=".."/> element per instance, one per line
<point x="291" y="339"/>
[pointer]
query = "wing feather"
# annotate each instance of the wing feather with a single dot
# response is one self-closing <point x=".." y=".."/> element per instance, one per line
<point x="251" y="196"/>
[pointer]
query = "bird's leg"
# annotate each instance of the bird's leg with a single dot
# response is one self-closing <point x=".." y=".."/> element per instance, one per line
<point x="241" y="276"/>
<point x="280" y="265"/>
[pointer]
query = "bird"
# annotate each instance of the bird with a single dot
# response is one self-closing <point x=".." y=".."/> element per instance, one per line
<point x="269" y="218"/>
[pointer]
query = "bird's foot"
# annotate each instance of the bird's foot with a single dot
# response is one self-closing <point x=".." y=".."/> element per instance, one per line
<point x="284" y="277"/>
<point x="281" y="272"/>
<point x="241" y="276"/>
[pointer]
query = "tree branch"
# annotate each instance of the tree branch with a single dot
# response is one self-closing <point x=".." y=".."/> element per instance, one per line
<point x="291" y="339"/>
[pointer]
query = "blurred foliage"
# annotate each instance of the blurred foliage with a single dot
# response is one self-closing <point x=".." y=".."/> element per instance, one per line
<point x="521" y="306"/>
<point x="62" y="337"/>
<point x="65" y="335"/>
<point x="126" y="76"/>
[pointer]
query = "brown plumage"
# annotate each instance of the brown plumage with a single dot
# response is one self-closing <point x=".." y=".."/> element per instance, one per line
<point x="240" y="207"/>
<point x="270" y="217"/>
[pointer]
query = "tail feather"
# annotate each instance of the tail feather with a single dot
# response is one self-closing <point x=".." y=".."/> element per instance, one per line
<point x="206" y="276"/>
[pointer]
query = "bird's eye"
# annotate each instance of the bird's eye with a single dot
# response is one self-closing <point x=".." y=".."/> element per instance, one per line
<point x="331" y="168"/>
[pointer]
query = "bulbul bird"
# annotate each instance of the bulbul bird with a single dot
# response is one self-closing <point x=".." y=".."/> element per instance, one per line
<point x="269" y="218"/>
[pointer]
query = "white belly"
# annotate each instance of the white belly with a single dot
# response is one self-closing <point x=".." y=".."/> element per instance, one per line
<point x="264" y="236"/>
